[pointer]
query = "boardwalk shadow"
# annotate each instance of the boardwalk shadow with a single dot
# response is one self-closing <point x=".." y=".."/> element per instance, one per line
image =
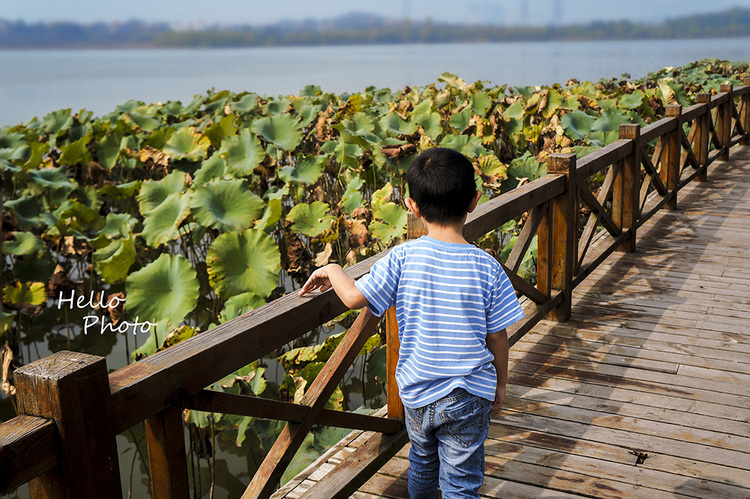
<point x="620" y="396"/>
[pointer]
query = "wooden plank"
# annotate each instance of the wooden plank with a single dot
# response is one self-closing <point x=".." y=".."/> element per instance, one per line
<point x="599" y="160"/>
<point x="524" y="238"/>
<point x="69" y="387"/>
<point x="166" y="454"/>
<point x="658" y="129"/>
<point x="242" y="405"/>
<point x="27" y="449"/>
<point x="358" y="467"/>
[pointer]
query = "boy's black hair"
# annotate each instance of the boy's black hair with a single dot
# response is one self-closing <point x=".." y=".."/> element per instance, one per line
<point x="441" y="182"/>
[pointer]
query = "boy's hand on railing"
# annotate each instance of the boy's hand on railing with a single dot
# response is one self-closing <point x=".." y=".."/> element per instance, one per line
<point x="318" y="279"/>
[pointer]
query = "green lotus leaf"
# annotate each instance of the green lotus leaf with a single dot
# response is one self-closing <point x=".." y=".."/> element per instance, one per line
<point x="11" y="140"/>
<point x="570" y="103"/>
<point x="390" y="222"/>
<point x="452" y="80"/>
<point x="461" y="120"/>
<point x="226" y="205"/>
<point x="431" y="123"/>
<point x="154" y="192"/>
<point x="352" y="198"/>
<point x="162" y="223"/>
<point x="140" y="120"/>
<point x="276" y="106"/>
<point x="576" y="124"/>
<point x="245" y="104"/>
<point x="307" y="171"/>
<point x="165" y="289"/>
<point x="672" y="92"/>
<point x="17" y="293"/>
<point x="527" y="166"/>
<point x="307" y="114"/>
<point x="75" y="152"/>
<point x="480" y="102"/>
<point x="273" y="211"/>
<point x="220" y="130"/>
<point x="113" y="261"/>
<point x="54" y="183"/>
<point x="121" y="191"/>
<point x="634" y="100"/>
<point x="108" y="150"/>
<point x="212" y="168"/>
<point x="470" y="146"/>
<point x="25" y="243"/>
<point x="242" y="153"/>
<point x="514" y="111"/>
<point x="27" y="211"/>
<point x="239" y="305"/>
<point x="56" y="121"/>
<point x="609" y="123"/>
<point x="310" y="219"/>
<point x="396" y="125"/>
<point x="281" y="130"/>
<point x="187" y="144"/>
<point x="118" y="225"/>
<point x="554" y="102"/>
<point x="243" y="262"/>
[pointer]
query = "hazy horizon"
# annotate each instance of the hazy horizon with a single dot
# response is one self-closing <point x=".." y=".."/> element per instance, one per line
<point x="234" y="12"/>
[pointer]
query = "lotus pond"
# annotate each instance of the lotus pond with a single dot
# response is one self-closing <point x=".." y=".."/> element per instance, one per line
<point x="127" y="233"/>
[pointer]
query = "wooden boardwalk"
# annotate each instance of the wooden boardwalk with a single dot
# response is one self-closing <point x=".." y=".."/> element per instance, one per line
<point x="645" y="392"/>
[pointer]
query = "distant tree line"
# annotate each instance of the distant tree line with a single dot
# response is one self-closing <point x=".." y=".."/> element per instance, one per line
<point x="358" y="29"/>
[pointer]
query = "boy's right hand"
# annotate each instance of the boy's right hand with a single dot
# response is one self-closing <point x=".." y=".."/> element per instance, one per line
<point x="497" y="405"/>
<point x="318" y="279"/>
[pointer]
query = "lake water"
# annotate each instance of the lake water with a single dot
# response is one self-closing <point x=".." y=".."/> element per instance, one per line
<point x="35" y="82"/>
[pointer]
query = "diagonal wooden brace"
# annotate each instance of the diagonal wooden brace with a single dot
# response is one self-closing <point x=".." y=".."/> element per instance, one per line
<point x="289" y="441"/>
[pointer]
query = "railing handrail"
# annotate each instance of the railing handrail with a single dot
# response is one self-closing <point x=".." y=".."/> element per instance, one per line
<point x="170" y="377"/>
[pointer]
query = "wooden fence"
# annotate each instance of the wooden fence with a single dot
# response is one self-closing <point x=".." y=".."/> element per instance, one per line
<point x="63" y="443"/>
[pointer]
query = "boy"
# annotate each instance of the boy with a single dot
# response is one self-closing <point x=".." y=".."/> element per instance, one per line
<point x="453" y="302"/>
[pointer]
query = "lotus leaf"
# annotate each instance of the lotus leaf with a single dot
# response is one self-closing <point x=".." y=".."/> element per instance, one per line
<point x="27" y="211"/>
<point x="108" y="150"/>
<point x="226" y="205"/>
<point x="480" y="102"/>
<point x="212" y="168"/>
<point x="221" y="130"/>
<point x="18" y="293"/>
<point x="239" y="305"/>
<point x="121" y="191"/>
<point x="307" y="114"/>
<point x="140" y="120"/>
<point x="461" y="120"/>
<point x="310" y="219"/>
<point x="281" y="130"/>
<point x="527" y="166"/>
<point x="554" y="101"/>
<point x="57" y="121"/>
<point x="154" y="192"/>
<point x="75" y="152"/>
<point x="118" y="225"/>
<point x="187" y="144"/>
<point x="515" y="111"/>
<point x="113" y="262"/>
<point x="11" y="140"/>
<point x="274" y="209"/>
<point x="166" y="289"/>
<point x="470" y="146"/>
<point x="396" y="125"/>
<point x="634" y="100"/>
<point x="352" y="198"/>
<point x="452" y="80"/>
<point x="576" y="124"/>
<point x="243" y="262"/>
<point x="609" y="125"/>
<point x="431" y="123"/>
<point x="672" y="92"/>
<point x="242" y="153"/>
<point x="390" y="223"/>
<point x="25" y="243"/>
<point x="162" y="223"/>
<point x="276" y="106"/>
<point x="245" y="104"/>
<point x="308" y="170"/>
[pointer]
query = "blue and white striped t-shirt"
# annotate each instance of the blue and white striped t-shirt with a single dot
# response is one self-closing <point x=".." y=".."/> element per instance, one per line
<point x="448" y="297"/>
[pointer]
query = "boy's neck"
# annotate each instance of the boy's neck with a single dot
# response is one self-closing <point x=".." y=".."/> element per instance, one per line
<point x="452" y="233"/>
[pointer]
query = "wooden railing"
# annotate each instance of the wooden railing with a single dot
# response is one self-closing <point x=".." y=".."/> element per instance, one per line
<point x="63" y="443"/>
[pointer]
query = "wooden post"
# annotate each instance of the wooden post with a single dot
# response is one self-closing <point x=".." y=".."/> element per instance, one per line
<point x="670" y="160"/>
<point x="626" y="188"/>
<point x="414" y="229"/>
<point x="702" y="142"/>
<point x="72" y="389"/>
<point x="724" y="122"/>
<point x="556" y="238"/>
<point x="745" y="114"/>
<point x="166" y="454"/>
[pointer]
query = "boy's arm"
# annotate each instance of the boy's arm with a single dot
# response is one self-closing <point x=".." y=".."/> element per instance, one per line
<point x="333" y="276"/>
<point x="497" y="344"/>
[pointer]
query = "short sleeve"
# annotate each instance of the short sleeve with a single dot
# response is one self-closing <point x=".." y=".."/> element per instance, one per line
<point x="503" y="308"/>
<point x="380" y="285"/>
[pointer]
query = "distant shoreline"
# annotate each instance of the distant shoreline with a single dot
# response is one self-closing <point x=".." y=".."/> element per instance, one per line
<point x="356" y="29"/>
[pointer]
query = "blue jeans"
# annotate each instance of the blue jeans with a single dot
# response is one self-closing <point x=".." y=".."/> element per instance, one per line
<point x="447" y="445"/>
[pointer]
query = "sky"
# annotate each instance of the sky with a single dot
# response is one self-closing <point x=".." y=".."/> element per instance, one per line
<point x="256" y="12"/>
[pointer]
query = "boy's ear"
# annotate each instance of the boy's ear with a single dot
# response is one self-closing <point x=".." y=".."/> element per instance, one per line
<point x="473" y="205"/>
<point x="412" y="205"/>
